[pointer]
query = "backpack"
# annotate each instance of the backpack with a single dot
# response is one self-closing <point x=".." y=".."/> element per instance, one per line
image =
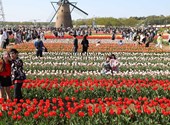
<point x="2" y="65"/>
<point x="39" y="44"/>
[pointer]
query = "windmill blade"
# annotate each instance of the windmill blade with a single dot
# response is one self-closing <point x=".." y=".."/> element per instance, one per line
<point x="50" y="16"/>
<point x="53" y="5"/>
<point x="82" y="15"/>
<point x="73" y="7"/>
<point x="55" y="14"/>
<point x="78" y="8"/>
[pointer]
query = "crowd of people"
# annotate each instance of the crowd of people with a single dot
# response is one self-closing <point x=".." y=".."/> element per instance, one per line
<point x="142" y="35"/>
<point x="20" y="34"/>
<point x="11" y="73"/>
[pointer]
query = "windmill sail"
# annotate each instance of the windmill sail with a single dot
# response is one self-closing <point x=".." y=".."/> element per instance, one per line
<point x="63" y="13"/>
<point x="78" y="8"/>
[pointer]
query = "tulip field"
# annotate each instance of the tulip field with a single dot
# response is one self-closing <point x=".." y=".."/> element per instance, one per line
<point x="67" y="89"/>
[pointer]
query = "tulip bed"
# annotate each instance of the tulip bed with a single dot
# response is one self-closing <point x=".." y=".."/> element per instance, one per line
<point x="66" y="65"/>
<point x="66" y="45"/>
<point x="67" y="89"/>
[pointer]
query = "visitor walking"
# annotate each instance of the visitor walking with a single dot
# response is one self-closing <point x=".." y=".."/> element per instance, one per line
<point x="2" y="39"/>
<point x="39" y="46"/>
<point x="75" y="44"/>
<point x="159" y="41"/>
<point x="85" y="44"/>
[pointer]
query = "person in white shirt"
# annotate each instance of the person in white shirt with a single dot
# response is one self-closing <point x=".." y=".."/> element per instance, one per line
<point x="159" y="41"/>
<point x="2" y="39"/>
<point x="5" y="35"/>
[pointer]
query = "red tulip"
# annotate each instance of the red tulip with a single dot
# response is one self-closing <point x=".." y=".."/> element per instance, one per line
<point x="73" y="98"/>
<point x="81" y="114"/>
<point x="54" y="108"/>
<point x="67" y="115"/>
<point x="14" y="117"/>
<point x="1" y="100"/>
<point x="46" y="115"/>
<point x="111" y="111"/>
<point x="9" y="113"/>
<point x="61" y="115"/>
<point x="26" y="114"/>
<point x="93" y="101"/>
<point x="90" y="113"/>
<point x="1" y="114"/>
<point x="19" y="117"/>
<point x="96" y="110"/>
<point x="54" y="100"/>
<point x="36" y="116"/>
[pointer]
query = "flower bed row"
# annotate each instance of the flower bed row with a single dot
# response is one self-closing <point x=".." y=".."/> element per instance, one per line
<point x="104" y="47"/>
<point x="86" y="111"/>
<point x="66" y="65"/>
<point x="89" y="88"/>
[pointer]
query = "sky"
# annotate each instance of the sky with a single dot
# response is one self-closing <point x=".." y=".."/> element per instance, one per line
<point x="42" y="10"/>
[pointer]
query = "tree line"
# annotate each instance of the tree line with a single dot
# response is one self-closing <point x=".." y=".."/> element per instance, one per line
<point x="106" y="21"/>
<point x="131" y="21"/>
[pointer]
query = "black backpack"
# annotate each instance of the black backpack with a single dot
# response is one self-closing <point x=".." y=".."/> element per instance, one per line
<point x="39" y="44"/>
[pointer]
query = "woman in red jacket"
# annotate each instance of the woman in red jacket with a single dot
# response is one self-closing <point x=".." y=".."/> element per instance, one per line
<point x="5" y="76"/>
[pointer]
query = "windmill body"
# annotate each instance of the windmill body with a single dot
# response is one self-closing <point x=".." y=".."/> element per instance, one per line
<point x="63" y="13"/>
<point x="63" y="17"/>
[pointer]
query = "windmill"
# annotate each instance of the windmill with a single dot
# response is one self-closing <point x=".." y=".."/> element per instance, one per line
<point x="63" y="13"/>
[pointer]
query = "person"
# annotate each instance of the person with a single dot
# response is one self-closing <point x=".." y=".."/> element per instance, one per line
<point x="2" y="39"/>
<point x="120" y="42"/>
<point x="148" y="40"/>
<point x="5" y="76"/>
<point x="98" y="43"/>
<point x="17" y="74"/>
<point x="106" y="68"/>
<point x="114" y="63"/>
<point x="138" y="39"/>
<point x="169" y="39"/>
<point x="159" y="41"/>
<point x="5" y="35"/>
<point x="75" y="44"/>
<point x="113" y="36"/>
<point x="1" y="70"/>
<point x="85" y="44"/>
<point x="39" y="46"/>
